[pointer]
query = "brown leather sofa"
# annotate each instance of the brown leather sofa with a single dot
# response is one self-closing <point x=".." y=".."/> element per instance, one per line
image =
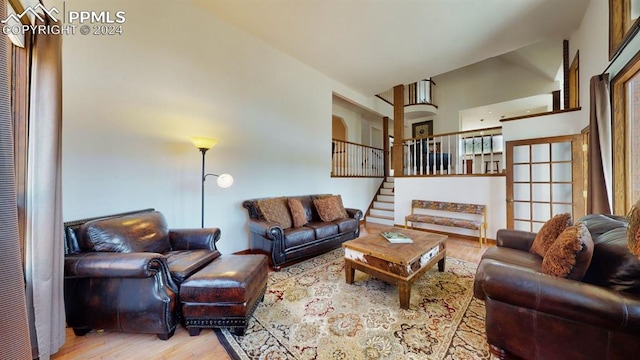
<point x="285" y="245"/>
<point x="530" y="315"/>
<point x="122" y="272"/>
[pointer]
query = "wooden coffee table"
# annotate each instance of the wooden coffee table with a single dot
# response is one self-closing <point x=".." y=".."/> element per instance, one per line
<point x="399" y="264"/>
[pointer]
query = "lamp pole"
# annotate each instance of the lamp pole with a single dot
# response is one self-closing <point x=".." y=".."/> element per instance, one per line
<point x="224" y="181"/>
<point x="204" y="151"/>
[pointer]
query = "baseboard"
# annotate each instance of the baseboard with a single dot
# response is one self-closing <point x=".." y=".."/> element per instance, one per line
<point x="243" y="252"/>
<point x="456" y="235"/>
<point x="460" y="236"/>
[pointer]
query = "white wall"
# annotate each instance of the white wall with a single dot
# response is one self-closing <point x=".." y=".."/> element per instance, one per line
<point x="492" y="81"/>
<point x="377" y="135"/>
<point x="352" y="120"/>
<point x="131" y="101"/>
<point x="487" y="190"/>
<point x="488" y="82"/>
<point x="592" y="40"/>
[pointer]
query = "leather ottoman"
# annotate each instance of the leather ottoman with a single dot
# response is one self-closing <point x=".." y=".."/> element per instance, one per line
<point x="224" y="293"/>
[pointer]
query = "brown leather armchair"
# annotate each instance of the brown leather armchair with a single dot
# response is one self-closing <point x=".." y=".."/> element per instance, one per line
<point x="122" y="272"/>
<point x="531" y="315"/>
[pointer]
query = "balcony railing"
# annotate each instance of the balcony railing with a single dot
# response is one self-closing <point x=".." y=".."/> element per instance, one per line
<point x="417" y="93"/>
<point x="355" y="160"/>
<point x="468" y="152"/>
<point x="387" y="96"/>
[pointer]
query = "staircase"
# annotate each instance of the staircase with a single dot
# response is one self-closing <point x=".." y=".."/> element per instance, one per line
<point x="382" y="210"/>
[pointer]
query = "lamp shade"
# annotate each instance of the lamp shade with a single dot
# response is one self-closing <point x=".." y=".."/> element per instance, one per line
<point x="202" y="142"/>
<point x="225" y="180"/>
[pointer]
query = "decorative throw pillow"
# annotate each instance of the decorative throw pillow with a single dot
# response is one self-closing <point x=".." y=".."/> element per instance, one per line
<point x="633" y="231"/>
<point x="339" y="197"/>
<point x="329" y="208"/>
<point x="276" y="210"/>
<point x="297" y="212"/>
<point x="549" y="233"/>
<point x="570" y="255"/>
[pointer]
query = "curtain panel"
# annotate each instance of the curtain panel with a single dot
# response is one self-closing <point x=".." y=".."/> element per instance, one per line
<point x="14" y="329"/>
<point x="599" y="192"/>
<point x="44" y="261"/>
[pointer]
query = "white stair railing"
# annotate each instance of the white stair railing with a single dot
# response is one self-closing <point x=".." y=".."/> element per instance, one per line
<point x="467" y="152"/>
<point x="355" y="160"/>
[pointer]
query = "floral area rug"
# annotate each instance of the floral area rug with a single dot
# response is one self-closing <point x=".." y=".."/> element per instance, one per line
<point x="310" y="312"/>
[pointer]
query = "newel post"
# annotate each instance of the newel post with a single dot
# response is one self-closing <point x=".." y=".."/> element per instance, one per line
<point x="398" y="130"/>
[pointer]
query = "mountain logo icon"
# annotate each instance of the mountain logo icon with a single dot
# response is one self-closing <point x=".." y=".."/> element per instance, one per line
<point x="33" y="11"/>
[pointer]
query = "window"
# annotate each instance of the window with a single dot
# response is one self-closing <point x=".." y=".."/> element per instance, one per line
<point x="574" y="82"/>
<point x="633" y="94"/>
<point x="623" y="17"/>
<point x="626" y="136"/>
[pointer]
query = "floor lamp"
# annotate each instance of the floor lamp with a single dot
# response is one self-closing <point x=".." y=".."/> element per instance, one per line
<point x="224" y="180"/>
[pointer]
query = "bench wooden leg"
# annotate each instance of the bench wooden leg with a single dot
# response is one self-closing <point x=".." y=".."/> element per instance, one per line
<point x="484" y="238"/>
<point x="406" y="226"/>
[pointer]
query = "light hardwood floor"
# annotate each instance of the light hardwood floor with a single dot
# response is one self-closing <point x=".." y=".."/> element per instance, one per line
<point x="113" y="345"/>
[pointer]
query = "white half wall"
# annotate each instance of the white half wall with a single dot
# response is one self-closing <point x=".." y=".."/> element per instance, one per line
<point x="487" y="190"/>
<point x="565" y="123"/>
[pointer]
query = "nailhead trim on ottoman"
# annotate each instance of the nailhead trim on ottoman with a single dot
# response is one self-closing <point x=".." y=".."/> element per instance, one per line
<point x="224" y="293"/>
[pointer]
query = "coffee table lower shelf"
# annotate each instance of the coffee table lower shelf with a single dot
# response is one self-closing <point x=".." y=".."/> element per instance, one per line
<point x="403" y="282"/>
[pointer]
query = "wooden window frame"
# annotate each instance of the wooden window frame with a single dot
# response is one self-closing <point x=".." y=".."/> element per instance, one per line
<point x="574" y="82"/>
<point x="620" y="142"/>
<point x="620" y="25"/>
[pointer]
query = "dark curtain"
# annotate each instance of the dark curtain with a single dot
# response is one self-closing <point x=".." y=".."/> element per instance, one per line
<point x="600" y="164"/>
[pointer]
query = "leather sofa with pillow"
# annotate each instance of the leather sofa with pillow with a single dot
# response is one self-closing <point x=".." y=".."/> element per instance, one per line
<point x="580" y="300"/>
<point x="297" y="227"/>
<point x="122" y="272"/>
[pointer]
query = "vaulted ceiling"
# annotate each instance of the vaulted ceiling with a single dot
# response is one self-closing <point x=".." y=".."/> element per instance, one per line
<point x="373" y="45"/>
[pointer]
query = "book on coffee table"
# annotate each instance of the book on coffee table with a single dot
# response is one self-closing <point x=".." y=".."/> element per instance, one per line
<point x="396" y="237"/>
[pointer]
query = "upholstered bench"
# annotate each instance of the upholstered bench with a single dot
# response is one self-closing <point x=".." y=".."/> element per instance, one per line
<point x="224" y="293"/>
<point x="480" y="211"/>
